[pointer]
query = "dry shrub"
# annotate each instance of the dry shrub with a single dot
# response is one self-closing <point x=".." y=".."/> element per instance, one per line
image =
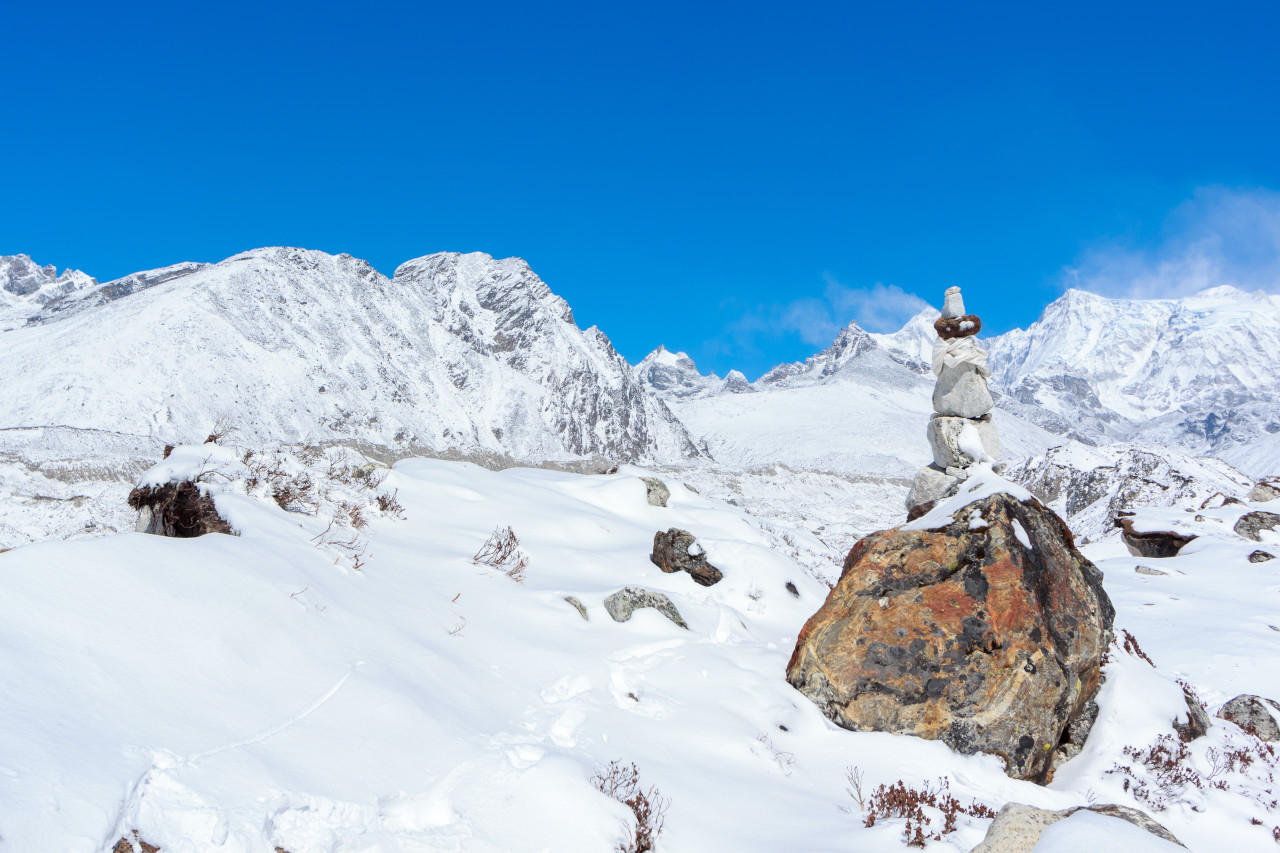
<point x="622" y="783"/>
<point x="899" y="800"/>
<point x="502" y="551"/>
<point x="1131" y="646"/>
<point x="390" y="504"/>
<point x="1169" y="772"/>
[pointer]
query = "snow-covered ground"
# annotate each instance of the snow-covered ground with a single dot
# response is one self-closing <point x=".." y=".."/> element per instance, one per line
<point x="317" y="686"/>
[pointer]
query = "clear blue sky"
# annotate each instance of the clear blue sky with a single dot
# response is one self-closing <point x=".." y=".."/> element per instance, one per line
<point x="726" y="179"/>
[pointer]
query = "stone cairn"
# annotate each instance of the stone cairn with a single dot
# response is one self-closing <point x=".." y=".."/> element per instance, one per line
<point x="961" y="432"/>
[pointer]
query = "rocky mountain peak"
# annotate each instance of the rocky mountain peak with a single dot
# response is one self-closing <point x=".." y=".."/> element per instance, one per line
<point x="674" y="373"/>
<point x="25" y="287"/>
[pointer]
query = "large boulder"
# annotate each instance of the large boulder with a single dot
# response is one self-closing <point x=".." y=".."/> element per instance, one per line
<point x="1255" y="714"/>
<point x="986" y="633"/>
<point x="1017" y="827"/>
<point x="678" y="551"/>
<point x="1251" y="524"/>
<point x="1265" y="490"/>
<point x="1156" y="544"/>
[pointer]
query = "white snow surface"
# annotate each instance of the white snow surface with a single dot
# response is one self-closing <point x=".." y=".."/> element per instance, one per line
<point x="237" y="693"/>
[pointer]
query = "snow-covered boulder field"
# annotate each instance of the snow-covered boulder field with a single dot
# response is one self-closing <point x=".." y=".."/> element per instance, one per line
<point x="342" y="675"/>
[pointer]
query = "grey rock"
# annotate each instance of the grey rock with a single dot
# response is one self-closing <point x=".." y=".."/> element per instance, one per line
<point x="629" y="599"/>
<point x="1265" y="490"/>
<point x="656" y="491"/>
<point x="931" y="484"/>
<point x="1197" y="723"/>
<point x="1253" y="713"/>
<point x="952" y="303"/>
<point x="944" y="440"/>
<point x="1147" y="570"/>
<point x="1261" y="557"/>
<point x="962" y="392"/>
<point x="1251" y="524"/>
<point x="1017" y="827"/>
<point x="582" y="610"/>
<point x="678" y="551"/>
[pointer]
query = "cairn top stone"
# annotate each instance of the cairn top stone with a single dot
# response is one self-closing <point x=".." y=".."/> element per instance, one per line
<point x="953" y="304"/>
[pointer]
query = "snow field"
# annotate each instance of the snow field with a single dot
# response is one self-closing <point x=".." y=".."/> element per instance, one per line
<point x="235" y="694"/>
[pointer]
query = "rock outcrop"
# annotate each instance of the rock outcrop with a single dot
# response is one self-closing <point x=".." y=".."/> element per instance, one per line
<point x="986" y="633"/>
<point x="1254" y="714"/>
<point x="1151" y="543"/>
<point x="678" y="551"/>
<point x="656" y="491"/>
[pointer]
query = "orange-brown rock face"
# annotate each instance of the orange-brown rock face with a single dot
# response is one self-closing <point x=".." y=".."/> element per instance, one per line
<point x="963" y="635"/>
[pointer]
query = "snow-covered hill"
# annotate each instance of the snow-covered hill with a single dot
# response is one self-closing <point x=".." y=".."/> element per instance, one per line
<point x="250" y="693"/>
<point x="454" y="351"/>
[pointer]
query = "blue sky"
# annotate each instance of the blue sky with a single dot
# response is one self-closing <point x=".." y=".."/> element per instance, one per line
<point x="733" y="180"/>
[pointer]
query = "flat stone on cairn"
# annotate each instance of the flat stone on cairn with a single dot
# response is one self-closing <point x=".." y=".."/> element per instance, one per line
<point x="961" y="432"/>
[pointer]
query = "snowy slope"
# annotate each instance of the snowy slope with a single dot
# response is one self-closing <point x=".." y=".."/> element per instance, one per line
<point x="288" y="344"/>
<point x="239" y="694"/>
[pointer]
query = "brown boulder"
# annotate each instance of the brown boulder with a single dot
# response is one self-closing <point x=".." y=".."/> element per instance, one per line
<point x="957" y="327"/>
<point x="1154" y="544"/>
<point x="678" y="551"/>
<point x="965" y="635"/>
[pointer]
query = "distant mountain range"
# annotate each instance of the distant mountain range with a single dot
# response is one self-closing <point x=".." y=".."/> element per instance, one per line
<point x="471" y="356"/>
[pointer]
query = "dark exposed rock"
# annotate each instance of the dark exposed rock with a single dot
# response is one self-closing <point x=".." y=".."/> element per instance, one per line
<point x="656" y="491"/>
<point x="791" y="588"/>
<point x="957" y="327"/>
<point x="1261" y="557"/>
<point x="1252" y="714"/>
<point x="963" y="635"/>
<point x="1154" y="544"/>
<point x="678" y="551"/>
<point x="629" y="599"/>
<point x="1018" y="826"/>
<point x="1197" y="722"/>
<point x="1251" y="524"/>
<point x="180" y="510"/>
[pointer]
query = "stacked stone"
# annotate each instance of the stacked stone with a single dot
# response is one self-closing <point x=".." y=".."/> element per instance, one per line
<point x="961" y="432"/>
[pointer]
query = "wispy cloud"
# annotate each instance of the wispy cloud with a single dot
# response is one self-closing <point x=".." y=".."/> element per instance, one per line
<point x="814" y="320"/>
<point x="1221" y="235"/>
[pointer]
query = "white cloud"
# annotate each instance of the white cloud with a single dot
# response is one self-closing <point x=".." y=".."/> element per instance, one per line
<point x="1221" y="235"/>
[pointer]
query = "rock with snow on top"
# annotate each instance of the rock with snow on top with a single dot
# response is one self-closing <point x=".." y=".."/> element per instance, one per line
<point x="678" y="550"/>
<point x="1254" y="714"/>
<point x="1265" y="490"/>
<point x="1252" y="524"/>
<point x="952" y="441"/>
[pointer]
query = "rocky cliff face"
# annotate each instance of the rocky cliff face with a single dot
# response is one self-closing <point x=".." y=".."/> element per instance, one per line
<point x="26" y="287"/>
<point x="453" y="351"/>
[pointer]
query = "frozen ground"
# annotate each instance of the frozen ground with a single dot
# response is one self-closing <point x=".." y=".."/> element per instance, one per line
<point x="318" y="686"/>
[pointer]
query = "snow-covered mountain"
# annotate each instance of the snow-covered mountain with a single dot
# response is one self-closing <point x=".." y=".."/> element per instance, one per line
<point x="1200" y="373"/>
<point x="26" y="287"/>
<point x="453" y="351"/>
